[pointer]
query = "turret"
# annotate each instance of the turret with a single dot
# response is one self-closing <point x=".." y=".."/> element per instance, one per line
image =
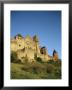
<point x="18" y="36"/>
<point x="35" y="39"/>
<point x="43" y="50"/>
<point x="55" y="55"/>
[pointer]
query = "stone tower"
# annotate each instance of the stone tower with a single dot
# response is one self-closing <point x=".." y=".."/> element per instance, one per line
<point x="55" y="55"/>
<point x="29" y="47"/>
<point x="35" y="39"/>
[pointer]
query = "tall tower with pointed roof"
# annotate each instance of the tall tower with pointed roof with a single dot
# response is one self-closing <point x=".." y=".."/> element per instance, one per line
<point x="35" y="39"/>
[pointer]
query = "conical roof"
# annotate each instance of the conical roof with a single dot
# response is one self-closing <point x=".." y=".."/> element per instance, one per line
<point x="28" y="37"/>
<point x="54" y="52"/>
<point x="35" y="38"/>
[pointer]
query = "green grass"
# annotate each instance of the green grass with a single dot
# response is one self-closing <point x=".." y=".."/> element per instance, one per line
<point x="37" y="70"/>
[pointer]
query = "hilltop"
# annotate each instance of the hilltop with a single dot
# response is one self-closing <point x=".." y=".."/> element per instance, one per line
<point x="31" y="61"/>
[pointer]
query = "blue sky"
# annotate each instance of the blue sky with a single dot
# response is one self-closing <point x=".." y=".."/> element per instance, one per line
<point x="45" y="24"/>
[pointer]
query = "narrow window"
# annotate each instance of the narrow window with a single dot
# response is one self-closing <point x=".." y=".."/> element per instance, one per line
<point x="19" y="45"/>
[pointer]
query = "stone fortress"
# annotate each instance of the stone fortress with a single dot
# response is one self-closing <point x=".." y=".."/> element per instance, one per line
<point x="29" y="47"/>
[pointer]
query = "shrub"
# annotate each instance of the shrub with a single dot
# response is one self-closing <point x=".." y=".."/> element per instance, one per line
<point x="50" y="68"/>
<point x="39" y="60"/>
<point x="17" y="61"/>
<point x="38" y="68"/>
<point x="13" y="56"/>
<point x="51" y="62"/>
<point x="58" y="72"/>
<point x="25" y="68"/>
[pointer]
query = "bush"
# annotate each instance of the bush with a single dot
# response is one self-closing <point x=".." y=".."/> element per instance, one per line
<point x="25" y="68"/>
<point x="18" y="61"/>
<point x="13" y="56"/>
<point x="55" y="63"/>
<point x="51" y="61"/>
<point x="39" y="60"/>
<point x="38" y="68"/>
<point x="34" y="68"/>
<point x="50" y="68"/>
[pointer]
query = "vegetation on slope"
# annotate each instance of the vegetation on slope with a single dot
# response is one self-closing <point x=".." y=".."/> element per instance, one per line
<point x="36" y="70"/>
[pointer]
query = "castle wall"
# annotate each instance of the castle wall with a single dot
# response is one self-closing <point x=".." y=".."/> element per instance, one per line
<point x="29" y="53"/>
<point x="13" y="47"/>
<point x="44" y="58"/>
<point x="20" y="44"/>
<point x="27" y="47"/>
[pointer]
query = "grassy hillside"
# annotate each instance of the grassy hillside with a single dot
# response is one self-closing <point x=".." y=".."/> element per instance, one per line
<point x="36" y="70"/>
